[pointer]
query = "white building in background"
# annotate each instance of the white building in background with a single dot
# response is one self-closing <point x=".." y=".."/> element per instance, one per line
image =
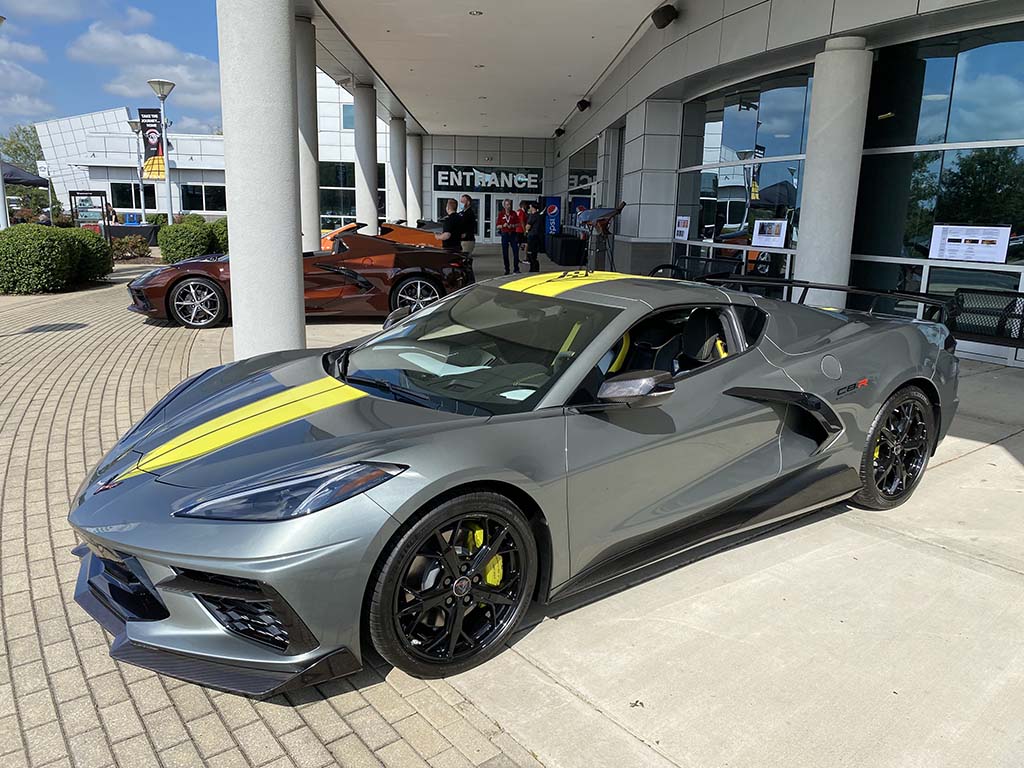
<point x="98" y="151"/>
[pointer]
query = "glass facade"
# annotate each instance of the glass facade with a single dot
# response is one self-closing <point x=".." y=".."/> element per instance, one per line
<point x="338" y="194"/>
<point x="126" y="195"/>
<point x="203" y="197"/>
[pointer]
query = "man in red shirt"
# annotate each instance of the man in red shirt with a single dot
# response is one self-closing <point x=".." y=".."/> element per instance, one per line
<point x="511" y="228"/>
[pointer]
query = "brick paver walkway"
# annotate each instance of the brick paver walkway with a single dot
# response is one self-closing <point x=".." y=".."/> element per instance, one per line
<point x="76" y="371"/>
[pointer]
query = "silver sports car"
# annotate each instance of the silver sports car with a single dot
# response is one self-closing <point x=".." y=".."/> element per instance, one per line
<point x="518" y="441"/>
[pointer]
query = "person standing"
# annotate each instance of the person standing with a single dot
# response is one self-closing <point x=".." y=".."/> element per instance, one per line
<point x="521" y="230"/>
<point x="509" y="226"/>
<point x="468" y="215"/>
<point x="451" y="228"/>
<point x="534" y="234"/>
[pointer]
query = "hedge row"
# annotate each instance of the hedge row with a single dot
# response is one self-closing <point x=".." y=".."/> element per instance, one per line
<point x="192" y="237"/>
<point x="38" y="259"/>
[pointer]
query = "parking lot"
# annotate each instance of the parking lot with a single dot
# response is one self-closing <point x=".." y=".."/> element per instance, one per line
<point x="845" y="638"/>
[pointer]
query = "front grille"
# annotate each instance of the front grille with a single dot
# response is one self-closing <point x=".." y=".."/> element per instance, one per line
<point x="139" y="299"/>
<point x="123" y="586"/>
<point x="247" y="608"/>
<point x="256" y="621"/>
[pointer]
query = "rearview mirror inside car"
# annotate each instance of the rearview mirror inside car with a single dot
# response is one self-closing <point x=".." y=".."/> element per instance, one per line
<point x="637" y="389"/>
<point x="399" y="314"/>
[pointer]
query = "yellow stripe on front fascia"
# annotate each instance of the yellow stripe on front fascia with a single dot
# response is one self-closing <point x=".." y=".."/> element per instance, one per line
<point x="265" y="414"/>
<point x="555" y="284"/>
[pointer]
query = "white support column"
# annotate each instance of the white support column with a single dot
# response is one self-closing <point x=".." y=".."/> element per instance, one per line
<point x="414" y="177"/>
<point x="396" y="169"/>
<point x="835" y="143"/>
<point x="309" y="148"/>
<point x="364" y="98"/>
<point x="261" y="168"/>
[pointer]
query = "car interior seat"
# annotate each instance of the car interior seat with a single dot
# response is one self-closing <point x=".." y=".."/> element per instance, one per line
<point x="702" y="340"/>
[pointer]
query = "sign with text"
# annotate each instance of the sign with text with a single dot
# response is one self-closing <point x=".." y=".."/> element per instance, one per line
<point x="479" y="178"/>
<point x="965" y="243"/>
<point x="682" y="228"/>
<point x="769" y="233"/>
<point x="552" y="214"/>
<point x="153" y="167"/>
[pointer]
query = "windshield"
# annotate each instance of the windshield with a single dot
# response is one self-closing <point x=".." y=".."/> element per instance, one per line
<point x="485" y="351"/>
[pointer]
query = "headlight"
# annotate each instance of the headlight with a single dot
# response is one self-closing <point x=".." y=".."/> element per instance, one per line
<point x="295" y="497"/>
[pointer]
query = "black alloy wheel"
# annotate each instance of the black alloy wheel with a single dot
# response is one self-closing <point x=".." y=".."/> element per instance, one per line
<point x="898" y="450"/>
<point x="415" y="293"/>
<point x="455" y="587"/>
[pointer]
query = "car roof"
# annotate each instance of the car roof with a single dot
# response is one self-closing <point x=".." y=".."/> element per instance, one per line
<point x="615" y="288"/>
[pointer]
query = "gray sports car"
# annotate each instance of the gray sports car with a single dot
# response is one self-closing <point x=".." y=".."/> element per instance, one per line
<point x="517" y="441"/>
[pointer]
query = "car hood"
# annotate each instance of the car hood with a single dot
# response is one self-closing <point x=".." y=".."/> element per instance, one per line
<point x="263" y="419"/>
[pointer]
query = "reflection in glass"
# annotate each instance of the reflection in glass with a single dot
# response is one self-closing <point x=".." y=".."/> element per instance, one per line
<point x="879" y="276"/>
<point x="337" y="202"/>
<point x="909" y="98"/>
<point x="945" y="280"/>
<point x="896" y="201"/>
<point x="988" y="92"/>
<point x="582" y="175"/>
<point x="780" y="120"/>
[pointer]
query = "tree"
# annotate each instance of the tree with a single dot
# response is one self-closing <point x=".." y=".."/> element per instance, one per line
<point x="983" y="186"/>
<point x="21" y="147"/>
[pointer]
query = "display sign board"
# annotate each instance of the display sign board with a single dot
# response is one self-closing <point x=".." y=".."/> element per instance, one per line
<point x="479" y="178"/>
<point x="553" y="215"/>
<point x="769" y="233"/>
<point x="682" y="228"/>
<point x="153" y="168"/>
<point x="42" y="169"/>
<point x="87" y="206"/>
<point x="966" y="243"/>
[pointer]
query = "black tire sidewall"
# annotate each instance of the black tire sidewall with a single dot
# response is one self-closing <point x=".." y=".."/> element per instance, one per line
<point x="869" y="496"/>
<point x="393" y="300"/>
<point x="179" y="286"/>
<point x="381" y="619"/>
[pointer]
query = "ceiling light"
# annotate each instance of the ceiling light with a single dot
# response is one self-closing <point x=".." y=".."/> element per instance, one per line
<point x="481" y="97"/>
<point x="479" y="66"/>
<point x="663" y="16"/>
<point x="886" y="115"/>
<point x="559" y="131"/>
<point x="582" y="105"/>
<point x="476" y="13"/>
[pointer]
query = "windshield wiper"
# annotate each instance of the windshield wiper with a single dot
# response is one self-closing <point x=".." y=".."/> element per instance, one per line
<point x="397" y="391"/>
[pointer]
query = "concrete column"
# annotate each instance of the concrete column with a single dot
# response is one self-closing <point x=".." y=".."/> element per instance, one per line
<point x="364" y="98"/>
<point x="261" y="168"/>
<point x="309" y="147"/>
<point x="414" y="177"/>
<point x="396" y="169"/>
<point x="835" y="142"/>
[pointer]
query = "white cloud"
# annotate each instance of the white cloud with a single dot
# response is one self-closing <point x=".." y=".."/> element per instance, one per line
<point x="19" y="89"/>
<point x="136" y="17"/>
<point x="139" y="57"/>
<point x="9" y="49"/>
<point x="50" y="10"/>
<point x="189" y="124"/>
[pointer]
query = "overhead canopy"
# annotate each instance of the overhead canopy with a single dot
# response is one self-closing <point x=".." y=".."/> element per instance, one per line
<point x="15" y="175"/>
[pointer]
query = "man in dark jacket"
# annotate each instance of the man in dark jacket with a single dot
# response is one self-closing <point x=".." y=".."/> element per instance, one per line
<point x="468" y="216"/>
<point x="534" y="234"/>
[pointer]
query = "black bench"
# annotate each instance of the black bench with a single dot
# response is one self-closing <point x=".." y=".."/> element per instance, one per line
<point x="989" y="317"/>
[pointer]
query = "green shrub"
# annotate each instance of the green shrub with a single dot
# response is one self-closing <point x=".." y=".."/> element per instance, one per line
<point x="94" y="260"/>
<point x="190" y="218"/>
<point x="219" y="229"/>
<point x="130" y="247"/>
<point x="159" y="219"/>
<point x="36" y="259"/>
<point x="183" y="241"/>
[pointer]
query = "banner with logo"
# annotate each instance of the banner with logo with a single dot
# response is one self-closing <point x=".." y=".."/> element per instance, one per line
<point x="153" y="167"/>
<point x="552" y="214"/>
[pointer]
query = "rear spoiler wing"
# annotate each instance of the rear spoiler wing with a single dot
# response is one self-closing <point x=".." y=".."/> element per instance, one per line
<point x="742" y="283"/>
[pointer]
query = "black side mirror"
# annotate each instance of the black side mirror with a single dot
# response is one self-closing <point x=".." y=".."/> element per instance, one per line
<point x="637" y="389"/>
<point x="398" y="315"/>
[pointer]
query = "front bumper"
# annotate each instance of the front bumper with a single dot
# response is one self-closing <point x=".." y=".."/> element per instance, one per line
<point x="117" y="601"/>
<point x="141" y="303"/>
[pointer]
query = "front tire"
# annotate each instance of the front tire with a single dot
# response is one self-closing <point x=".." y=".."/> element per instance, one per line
<point x="897" y="451"/>
<point x="454" y="587"/>
<point x="197" y="302"/>
<point x="415" y="292"/>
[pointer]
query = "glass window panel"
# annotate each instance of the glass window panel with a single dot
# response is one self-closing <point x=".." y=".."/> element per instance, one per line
<point x="215" y="198"/>
<point x="882" y="276"/>
<point x="381" y="177"/>
<point x="330" y="174"/>
<point x="337" y="202"/>
<point x="984" y="186"/>
<point x="348" y="116"/>
<point x="988" y="91"/>
<point x="909" y="97"/>
<point x="780" y="120"/>
<point x="896" y="201"/>
<point x="739" y="125"/>
<point x="945" y="280"/>
<point x="328" y="223"/>
<point x="149" y="190"/>
<point x="121" y="195"/>
<point x="191" y="197"/>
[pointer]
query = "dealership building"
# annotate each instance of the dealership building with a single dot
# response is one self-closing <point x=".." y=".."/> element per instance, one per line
<point x="875" y="142"/>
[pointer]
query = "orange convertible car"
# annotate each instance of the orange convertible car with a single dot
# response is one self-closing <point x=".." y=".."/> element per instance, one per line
<point x="396" y="233"/>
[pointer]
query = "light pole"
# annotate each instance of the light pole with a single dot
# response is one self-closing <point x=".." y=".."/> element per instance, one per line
<point x="162" y="89"/>
<point x="5" y="220"/>
<point x="136" y="126"/>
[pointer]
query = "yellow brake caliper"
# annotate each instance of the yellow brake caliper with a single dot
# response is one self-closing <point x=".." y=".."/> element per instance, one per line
<point x="494" y="570"/>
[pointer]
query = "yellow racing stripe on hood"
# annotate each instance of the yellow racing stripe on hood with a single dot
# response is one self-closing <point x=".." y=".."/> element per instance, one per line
<point x="555" y="284"/>
<point x="234" y="426"/>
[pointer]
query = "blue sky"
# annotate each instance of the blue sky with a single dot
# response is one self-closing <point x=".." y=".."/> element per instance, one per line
<point x="66" y="57"/>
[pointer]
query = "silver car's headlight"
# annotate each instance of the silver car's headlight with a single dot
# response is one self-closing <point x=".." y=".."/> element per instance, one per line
<point x="294" y="497"/>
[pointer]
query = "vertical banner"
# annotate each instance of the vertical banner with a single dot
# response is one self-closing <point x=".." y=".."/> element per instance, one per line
<point x="153" y="168"/>
<point x="553" y="214"/>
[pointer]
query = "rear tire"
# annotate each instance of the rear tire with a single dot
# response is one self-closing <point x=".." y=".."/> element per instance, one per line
<point x="197" y="302"/>
<point x="898" y="447"/>
<point x="455" y="587"/>
<point x="416" y="292"/>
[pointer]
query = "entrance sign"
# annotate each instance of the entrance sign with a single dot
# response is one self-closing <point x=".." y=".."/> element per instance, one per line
<point x="964" y="243"/>
<point x="154" y="168"/>
<point x="479" y="178"/>
<point x="682" y="228"/>
<point x="769" y="233"/>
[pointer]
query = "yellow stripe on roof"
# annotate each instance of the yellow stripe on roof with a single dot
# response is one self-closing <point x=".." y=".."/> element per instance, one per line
<point x="249" y="420"/>
<point x="554" y="284"/>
